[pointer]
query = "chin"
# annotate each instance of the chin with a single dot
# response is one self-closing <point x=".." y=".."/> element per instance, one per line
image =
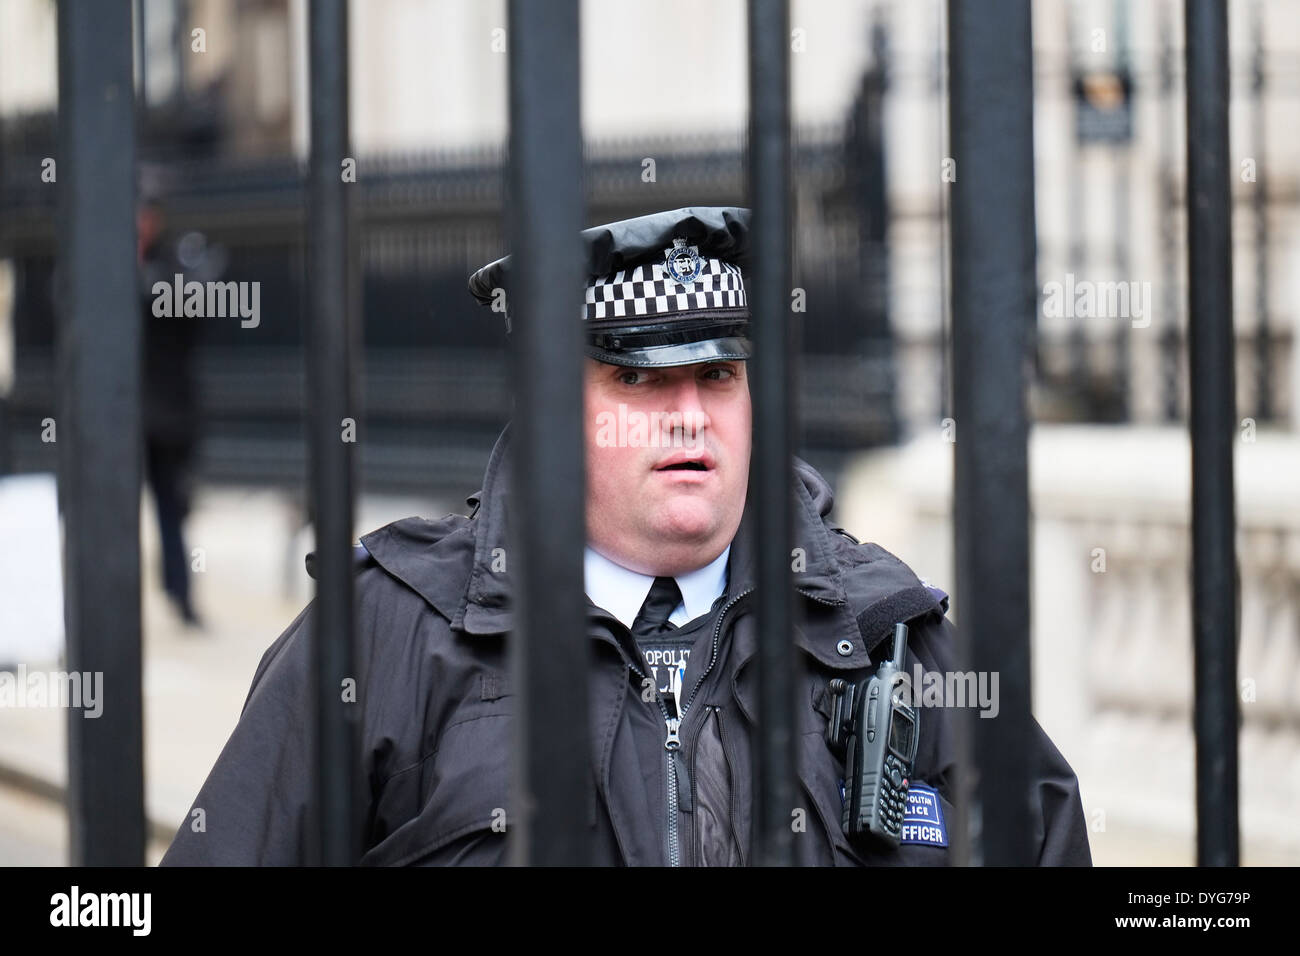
<point x="689" y="522"/>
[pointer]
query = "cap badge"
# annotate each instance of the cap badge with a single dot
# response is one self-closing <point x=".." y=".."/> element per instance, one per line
<point x="683" y="262"/>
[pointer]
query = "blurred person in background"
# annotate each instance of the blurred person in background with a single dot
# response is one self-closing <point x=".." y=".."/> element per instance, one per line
<point x="168" y="401"/>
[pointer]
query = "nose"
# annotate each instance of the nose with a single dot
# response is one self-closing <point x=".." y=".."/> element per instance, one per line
<point x="686" y="418"/>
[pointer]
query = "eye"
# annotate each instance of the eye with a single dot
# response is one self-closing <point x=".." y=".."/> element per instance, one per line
<point x="637" y="376"/>
<point x="727" y="370"/>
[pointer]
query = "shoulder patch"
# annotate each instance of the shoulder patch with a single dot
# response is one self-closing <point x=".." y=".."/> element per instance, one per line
<point x="923" y="821"/>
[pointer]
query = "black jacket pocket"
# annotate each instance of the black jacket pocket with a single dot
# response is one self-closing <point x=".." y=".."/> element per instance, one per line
<point x="715" y="791"/>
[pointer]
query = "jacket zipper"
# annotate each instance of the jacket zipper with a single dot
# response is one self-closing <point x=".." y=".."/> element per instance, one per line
<point x="673" y="741"/>
<point x="693" y="775"/>
<point x="735" y="786"/>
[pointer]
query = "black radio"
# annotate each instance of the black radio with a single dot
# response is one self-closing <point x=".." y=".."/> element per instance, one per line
<point x="873" y="727"/>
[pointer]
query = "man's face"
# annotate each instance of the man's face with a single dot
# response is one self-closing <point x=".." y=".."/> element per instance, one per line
<point x="667" y="462"/>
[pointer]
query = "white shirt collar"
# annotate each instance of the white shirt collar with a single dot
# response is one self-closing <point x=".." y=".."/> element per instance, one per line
<point x="622" y="591"/>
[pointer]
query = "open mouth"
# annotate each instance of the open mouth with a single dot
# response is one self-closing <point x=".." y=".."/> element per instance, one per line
<point x="685" y="466"/>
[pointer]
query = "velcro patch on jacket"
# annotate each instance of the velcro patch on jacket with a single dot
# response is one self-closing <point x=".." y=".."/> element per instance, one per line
<point x="494" y="687"/>
<point x="923" y="819"/>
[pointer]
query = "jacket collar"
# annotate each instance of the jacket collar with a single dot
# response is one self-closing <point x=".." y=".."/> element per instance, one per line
<point x="862" y="596"/>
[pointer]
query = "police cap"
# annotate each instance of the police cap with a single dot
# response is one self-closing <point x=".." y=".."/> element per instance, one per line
<point x="663" y="289"/>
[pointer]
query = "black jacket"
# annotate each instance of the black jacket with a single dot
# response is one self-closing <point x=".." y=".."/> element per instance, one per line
<point x="435" y="712"/>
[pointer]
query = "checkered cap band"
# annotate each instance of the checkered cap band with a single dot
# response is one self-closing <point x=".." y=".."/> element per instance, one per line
<point x="649" y="290"/>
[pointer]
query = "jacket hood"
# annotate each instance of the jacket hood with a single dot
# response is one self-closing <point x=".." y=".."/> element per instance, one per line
<point x="432" y="558"/>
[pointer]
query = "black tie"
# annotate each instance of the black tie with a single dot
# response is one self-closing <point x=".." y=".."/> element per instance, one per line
<point x="652" y="619"/>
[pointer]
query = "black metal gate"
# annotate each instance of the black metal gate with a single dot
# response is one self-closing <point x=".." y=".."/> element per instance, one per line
<point x="994" y="301"/>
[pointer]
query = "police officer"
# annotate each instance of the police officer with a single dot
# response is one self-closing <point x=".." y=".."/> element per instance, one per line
<point x="670" y="582"/>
